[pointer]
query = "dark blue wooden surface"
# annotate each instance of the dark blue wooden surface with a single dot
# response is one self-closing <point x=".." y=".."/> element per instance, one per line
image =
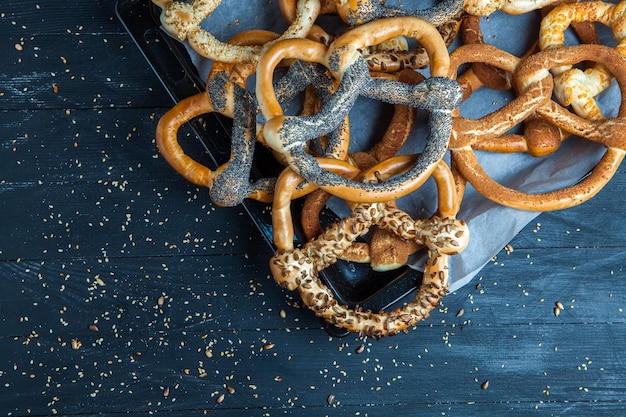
<point x="98" y="231"/>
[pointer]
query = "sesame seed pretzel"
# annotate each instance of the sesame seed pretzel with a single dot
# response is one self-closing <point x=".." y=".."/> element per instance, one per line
<point x="299" y="268"/>
<point x="289" y="134"/>
<point x="534" y="82"/>
<point x="289" y="10"/>
<point x="182" y="20"/>
<point x="573" y="86"/>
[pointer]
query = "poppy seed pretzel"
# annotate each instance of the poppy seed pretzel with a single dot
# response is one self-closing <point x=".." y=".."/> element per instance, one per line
<point x="534" y="82"/>
<point x="574" y="86"/>
<point x="288" y="135"/>
<point x="225" y="93"/>
<point x="182" y="20"/>
<point x="298" y="268"/>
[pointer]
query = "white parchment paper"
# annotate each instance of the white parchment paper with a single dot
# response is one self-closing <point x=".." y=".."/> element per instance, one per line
<point x="491" y="225"/>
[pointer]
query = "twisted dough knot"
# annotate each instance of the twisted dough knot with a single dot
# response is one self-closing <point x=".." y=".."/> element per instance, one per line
<point x="578" y="89"/>
<point x="299" y="268"/>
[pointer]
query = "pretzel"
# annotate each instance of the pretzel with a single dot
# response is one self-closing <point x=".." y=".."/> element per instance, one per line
<point x="225" y="94"/>
<point x="288" y="134"/>
<point x="573" y="86"/>
<point x="534" y="82"/>
<point x="182" y="20"/>
<point x="299" y="268"/>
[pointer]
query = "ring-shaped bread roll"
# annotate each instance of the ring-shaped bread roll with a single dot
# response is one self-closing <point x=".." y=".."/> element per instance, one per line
<point x="229" y="184"/>
<point x="385" y="250"/>
<point x="182" y="20"/>
<point x="299" y="268"/>
<point x="289" y="134"/>
<point x="533" y="77"/>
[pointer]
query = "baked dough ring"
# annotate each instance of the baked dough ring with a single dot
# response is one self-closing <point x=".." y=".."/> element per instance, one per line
<point x="534" y="82"/>
<point x="225" y="94"/>
<point x="289" y="134"/>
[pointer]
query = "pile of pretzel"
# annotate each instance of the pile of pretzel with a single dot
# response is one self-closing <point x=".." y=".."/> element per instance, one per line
<point x="371" y="58"/>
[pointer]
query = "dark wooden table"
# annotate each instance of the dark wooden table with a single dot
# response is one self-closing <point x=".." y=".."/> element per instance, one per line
<point x="124" y="290"/>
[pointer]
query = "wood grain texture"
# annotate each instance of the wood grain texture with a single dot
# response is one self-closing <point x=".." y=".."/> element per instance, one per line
<point x="124" y="290"/>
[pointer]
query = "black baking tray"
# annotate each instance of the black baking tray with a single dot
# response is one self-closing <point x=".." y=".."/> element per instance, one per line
<point x="353" y="284"/>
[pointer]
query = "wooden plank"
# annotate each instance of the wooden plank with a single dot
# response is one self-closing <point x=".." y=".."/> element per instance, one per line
<point x="223" y="292"/>
<point x="230" y="289"/>
<point x="65" y="72"/>
<point x="58" y="147"/>
<point x="586" y="225"/>
<point x="524" y="286"/>
<point x="122" y="295"/>
<point x="105" y="220"/>
<point x="33" y="17"/>
<point x="513" y="409"/>
<point x="272" y="368"/>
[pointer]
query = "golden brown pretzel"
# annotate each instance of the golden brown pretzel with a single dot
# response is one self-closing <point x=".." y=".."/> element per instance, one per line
<point x="514" y="7"/>
<point x="534" y="82"/>
<point x="229" y="184"/>
<point x="289" y="10"/>
<point x="298" y="268"/>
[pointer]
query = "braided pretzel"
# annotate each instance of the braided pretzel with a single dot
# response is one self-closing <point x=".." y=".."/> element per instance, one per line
<point x="534" y="82"/>
<point x="299" y="268"/>
<point x="182" y="20"/>
<point x="573" y="86"/>
<point x="288" y="134"/>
